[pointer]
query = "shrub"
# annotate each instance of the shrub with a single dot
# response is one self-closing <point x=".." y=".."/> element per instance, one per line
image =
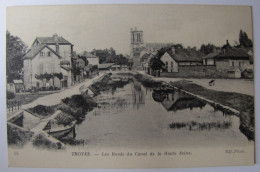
<point x="42" y="110"/>
<point x="10" y="95"/>
<point x="41" y="140"/>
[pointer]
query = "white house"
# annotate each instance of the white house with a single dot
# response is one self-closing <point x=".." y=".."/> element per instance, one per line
<point x="43" y="58"/>
<point x="92" y="59"/>
<point x="172" y="59"/>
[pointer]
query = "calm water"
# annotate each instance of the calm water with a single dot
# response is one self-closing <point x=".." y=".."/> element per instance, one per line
<point x="130" y="117"/>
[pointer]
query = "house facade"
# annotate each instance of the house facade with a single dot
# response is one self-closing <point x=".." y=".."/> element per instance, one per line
<point x="91" y="59"/>
<point x="230" y="61"/>
<point x="173" y="59"/>
<point x="48" y="63"/>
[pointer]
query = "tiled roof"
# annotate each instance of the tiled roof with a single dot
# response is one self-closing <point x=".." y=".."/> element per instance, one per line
<point x="52" y="40"/>
<point x="17" y="81"/>
<point x="211" y="55"/>
<point x="182" y="55"/>
<point x="66" y="68"/>
<point x="64" y="62"/>
<point x="233" y="53"/>
<point x="36" y="49"/>
<point x="105" y="65"/>
<point x="116" y="66"/>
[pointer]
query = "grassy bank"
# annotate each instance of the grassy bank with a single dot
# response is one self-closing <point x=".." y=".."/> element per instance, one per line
<point x="241" y="102"/>
<point x="147" y="81"/>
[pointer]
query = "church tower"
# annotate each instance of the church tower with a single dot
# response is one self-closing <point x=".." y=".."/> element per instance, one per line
<point x="137" y="42"/>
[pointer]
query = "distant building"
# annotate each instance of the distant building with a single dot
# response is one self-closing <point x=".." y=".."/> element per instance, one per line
<point x="105" y="66"/>
<point x="16" y="86"/>
<point x="232" y="61"/>
<point x="172" y="59"/>
<point x="115" y="67"/>
<point x="137" y="43"/>
<point x="48" y="55"/>
<point x="90" y="58"/>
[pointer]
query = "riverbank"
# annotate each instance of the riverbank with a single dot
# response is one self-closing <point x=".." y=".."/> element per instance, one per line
<point x="240" y="102"/>
<point x="71" y="109"/>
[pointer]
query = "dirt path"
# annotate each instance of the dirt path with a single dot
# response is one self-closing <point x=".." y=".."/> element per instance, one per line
<point x="227" y="85"/>
<point x="55" y="98"/>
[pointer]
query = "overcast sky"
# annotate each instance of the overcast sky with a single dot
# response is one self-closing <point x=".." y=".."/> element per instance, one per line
<point x="105" y="26"/>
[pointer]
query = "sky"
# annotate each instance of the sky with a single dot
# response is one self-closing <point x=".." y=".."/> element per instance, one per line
<point x="90" y="27"/>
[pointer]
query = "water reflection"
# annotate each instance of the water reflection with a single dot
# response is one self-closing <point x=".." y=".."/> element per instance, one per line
<point x="137" y="120"/>
<point x="138" y="95"/>
<point x="175" y="100"/>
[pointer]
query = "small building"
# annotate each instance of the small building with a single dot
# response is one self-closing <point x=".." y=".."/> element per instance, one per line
<point x="230" y="61"/>
<point x="18" y="84"/>
<point x="172" y="59"/>
<point x="90" y="58"/>
<point x="124" y="68"/>
<point x="234" y="72"/>
<point x="248" y="74"/>
<point x="105" y="66"/>
<point x="209" y="59"/>
<point x="115" y="67"/>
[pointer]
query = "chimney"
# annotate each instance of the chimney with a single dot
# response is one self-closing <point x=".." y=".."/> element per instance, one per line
<point x="55" y="37"/>
<point x="173" y="50"/>
<point x="95" y="54"/>
<point x="227" y="43"/>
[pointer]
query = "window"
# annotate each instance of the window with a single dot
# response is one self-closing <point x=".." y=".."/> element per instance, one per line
<point x="42" y="54"/>
<point x="57" y="49"/>
<point x="49" y="54"/>
<point x="233" y="63"/>
<point x="166" y="65"/>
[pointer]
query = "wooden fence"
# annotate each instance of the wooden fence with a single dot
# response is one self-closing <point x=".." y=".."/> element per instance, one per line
<point x="13" y="105"/>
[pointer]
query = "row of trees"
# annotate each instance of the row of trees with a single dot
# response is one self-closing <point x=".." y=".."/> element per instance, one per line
<point x="244" y="42"/>
<point x="110" y="56"/>
<point x="15" y="50"/>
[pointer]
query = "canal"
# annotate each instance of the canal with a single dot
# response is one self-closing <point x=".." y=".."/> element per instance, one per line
<point x="133" y="116"/>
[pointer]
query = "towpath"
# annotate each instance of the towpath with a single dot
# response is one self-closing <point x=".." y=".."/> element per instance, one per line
<point x="55" y="98"/>
<point x="227" y="85"/>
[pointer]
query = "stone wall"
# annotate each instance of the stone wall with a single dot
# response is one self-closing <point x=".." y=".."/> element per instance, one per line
<point x="196" y="72"/>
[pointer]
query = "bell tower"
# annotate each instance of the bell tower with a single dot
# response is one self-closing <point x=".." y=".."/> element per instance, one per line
<point x="137" y="42"/>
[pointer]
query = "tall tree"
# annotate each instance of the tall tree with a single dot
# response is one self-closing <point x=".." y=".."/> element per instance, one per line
<point x="15" y="50"/>
<point x="207" y="48"/>
<point x="244" y="41"/>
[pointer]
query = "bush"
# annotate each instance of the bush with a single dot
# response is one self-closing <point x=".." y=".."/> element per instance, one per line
<point x="10" y="95"/>
<point x="42" y="110"/>
<point x="77" y="113"/>
<point x="17" y="136"/>
<point x="79" y="101"/>
<point x="41" y="140"/>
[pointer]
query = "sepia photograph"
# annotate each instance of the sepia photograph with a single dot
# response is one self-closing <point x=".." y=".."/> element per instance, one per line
<point x="130" y="86"/>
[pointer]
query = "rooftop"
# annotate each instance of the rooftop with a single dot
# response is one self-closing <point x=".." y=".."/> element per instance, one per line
<point x="55" y="39"/>
<point x="34" y="50"/>
<point x="182" y="55"/>
<point x="105" y="65"/>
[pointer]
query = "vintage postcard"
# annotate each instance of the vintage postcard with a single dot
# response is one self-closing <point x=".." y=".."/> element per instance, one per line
<point x="130" y="86"/>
